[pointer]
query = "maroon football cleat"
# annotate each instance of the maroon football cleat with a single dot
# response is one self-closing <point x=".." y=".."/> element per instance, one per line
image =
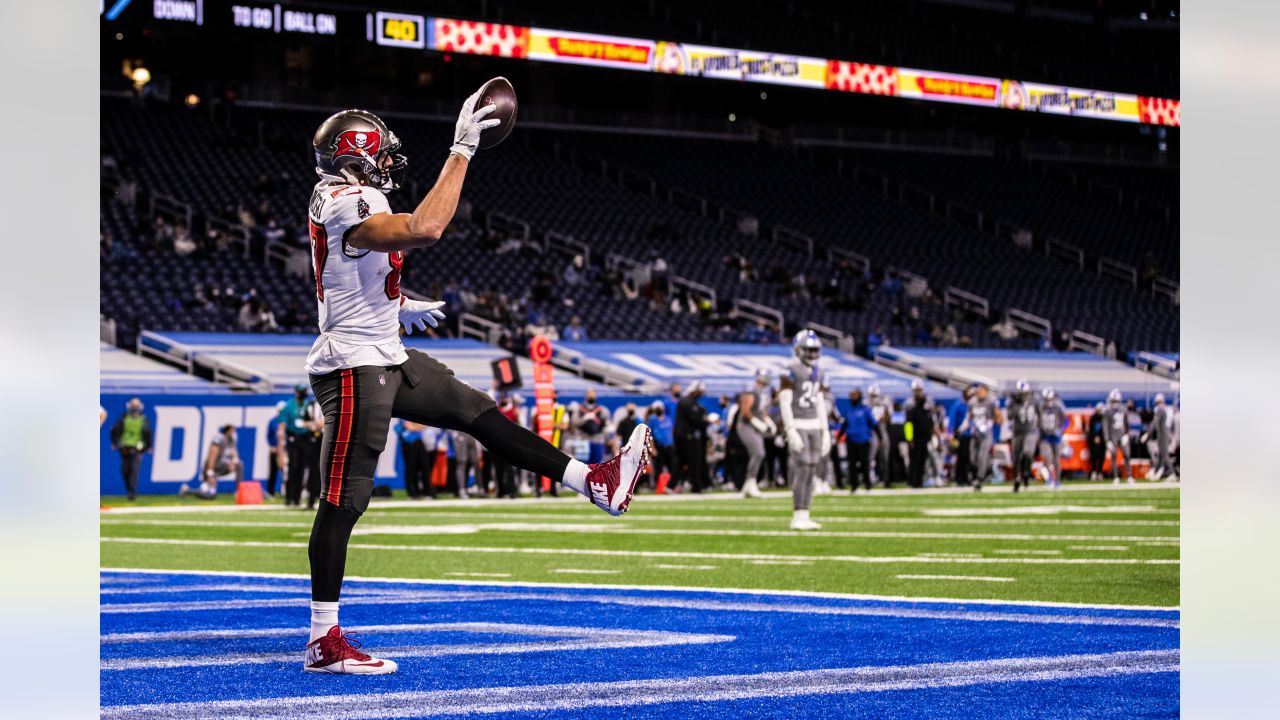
<point x="334" y="653"/>
<point x="612" y="482"/>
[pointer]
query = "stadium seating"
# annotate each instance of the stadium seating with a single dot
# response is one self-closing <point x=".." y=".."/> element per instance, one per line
<point x="251" y="162"/>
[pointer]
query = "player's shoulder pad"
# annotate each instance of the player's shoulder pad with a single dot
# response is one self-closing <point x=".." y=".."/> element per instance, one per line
<point x="350" y="205"/>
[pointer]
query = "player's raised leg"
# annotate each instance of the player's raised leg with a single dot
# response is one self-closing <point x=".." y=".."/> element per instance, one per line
<point x="431" y="395"/>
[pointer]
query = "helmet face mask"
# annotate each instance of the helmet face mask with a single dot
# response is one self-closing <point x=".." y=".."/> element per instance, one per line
<point x="807" y="347"/>
<point x="356" y="146"/>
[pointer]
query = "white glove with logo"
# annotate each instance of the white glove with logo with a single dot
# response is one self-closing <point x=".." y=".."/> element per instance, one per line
<point x="421" y="314"/>
<point x="795" y="443"/>
<point x="466" y="134"/>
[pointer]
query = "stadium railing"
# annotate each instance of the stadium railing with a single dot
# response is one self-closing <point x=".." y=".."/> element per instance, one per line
<point x="1028" y="322"/>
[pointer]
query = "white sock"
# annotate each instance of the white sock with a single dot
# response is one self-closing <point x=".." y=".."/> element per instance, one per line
<point x="801" y="515"/>
<point x="575" y="476"/>
<point x="324" y="615"/>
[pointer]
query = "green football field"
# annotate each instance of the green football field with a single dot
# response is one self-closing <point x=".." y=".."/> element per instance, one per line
<point x="1087" y="543"/>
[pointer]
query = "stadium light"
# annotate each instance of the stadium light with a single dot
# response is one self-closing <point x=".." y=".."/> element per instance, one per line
<point x="140" y="76"/>
<point x="192" y="100"/>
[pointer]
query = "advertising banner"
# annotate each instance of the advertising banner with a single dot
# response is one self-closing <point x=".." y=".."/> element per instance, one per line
<point x="861" y="78"/>
<point x="750" y="65"/>
<point x="479" y="38"/>
<point x="589" y="49"/>
<point x="948" y="87"/>
<point x="1058" y="100"/>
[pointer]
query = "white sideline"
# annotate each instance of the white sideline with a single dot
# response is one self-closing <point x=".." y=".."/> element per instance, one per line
<point x="650" y="553"/>
<point x="377" y="528"/>
<point x="657" y="588"/>
<point x="573" y="696"/>
<point x="701" y="497"/>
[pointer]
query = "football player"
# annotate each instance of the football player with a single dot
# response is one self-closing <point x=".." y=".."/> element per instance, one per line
<point x="984" y="415"/>
<point x="882" y="412"/>
<point x="1053" y="423"/>
<point x="1164" y="430"/>
<point x="361" y="372"/>
<point x="1023" y="416"/>
<point x="804" y="415"/>
<point x="1115" y="429"/>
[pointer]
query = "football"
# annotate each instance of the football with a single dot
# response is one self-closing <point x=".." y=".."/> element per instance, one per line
<point x="498" y="92"/>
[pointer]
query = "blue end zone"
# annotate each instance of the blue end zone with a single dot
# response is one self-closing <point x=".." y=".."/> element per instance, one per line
<point x="174" y="639"/>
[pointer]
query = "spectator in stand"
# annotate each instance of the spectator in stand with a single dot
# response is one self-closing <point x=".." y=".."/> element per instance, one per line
<point x="1005" y="329"/>
<point x="574" y="332"/>
<point x="575" y="273"/>
<point x="183" y="244"/>
<point x="414" y="456"/>
<point x="256" y="317"/>
<point x="875" y="339"/>
<point x="592" y="420"/>
<point x="538" y="325"/>
<point x="131" y="437"/>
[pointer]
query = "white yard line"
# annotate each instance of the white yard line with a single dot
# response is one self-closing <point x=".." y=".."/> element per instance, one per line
<point x="585" y="571"/>
<point x="1006" y="551"/>
<point x="781" y="517"/>
<point x="471" y="550"/>
<point x="574" y="639"/>
<point x="1116" y="548"/>
<point x="780" y="562"/>
<point x="646" y="588"/>
<point x="478" y="574"/>
<point x="656" y="499"/>
<point x="375" y="528"/>
<point x="667" y="566"/>
<point x="980" y="578"/>
<point x="652" y="601"/>
<point x="575" y="696"/>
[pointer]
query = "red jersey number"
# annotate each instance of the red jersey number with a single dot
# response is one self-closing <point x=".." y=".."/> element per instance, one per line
<point x="396" y="259"/>
<point x="320" y="254"/>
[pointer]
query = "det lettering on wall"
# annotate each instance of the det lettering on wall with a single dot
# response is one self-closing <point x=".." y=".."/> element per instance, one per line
<point x="183" y="428"/>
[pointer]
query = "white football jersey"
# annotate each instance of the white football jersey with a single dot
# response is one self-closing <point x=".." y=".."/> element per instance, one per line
<point x="357" y="291"/>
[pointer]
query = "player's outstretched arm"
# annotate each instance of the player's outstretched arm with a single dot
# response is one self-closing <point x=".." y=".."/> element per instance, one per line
<point x="385" y="232"/>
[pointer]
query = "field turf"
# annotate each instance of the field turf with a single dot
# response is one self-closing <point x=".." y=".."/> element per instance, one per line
<point x="927" y="604"/>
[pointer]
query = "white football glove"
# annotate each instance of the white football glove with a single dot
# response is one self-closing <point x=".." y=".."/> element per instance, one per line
<point x="421" y="314"/>
<point x="466" y="134"/>
<point x="795" y="443"/>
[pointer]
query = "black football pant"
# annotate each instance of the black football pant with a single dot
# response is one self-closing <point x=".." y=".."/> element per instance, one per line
<point x="358" y="405"/>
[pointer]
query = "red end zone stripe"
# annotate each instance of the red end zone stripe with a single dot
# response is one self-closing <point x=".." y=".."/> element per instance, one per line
<point x="342" y="439"/>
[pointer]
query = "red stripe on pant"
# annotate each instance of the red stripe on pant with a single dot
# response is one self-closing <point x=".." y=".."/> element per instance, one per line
<point x="342" y="438"/>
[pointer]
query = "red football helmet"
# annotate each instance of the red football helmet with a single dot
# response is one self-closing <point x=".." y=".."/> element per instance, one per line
<point x="356" y="146"/>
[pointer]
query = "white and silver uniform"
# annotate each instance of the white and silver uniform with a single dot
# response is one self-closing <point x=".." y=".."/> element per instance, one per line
<point x="357" y="291"/>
